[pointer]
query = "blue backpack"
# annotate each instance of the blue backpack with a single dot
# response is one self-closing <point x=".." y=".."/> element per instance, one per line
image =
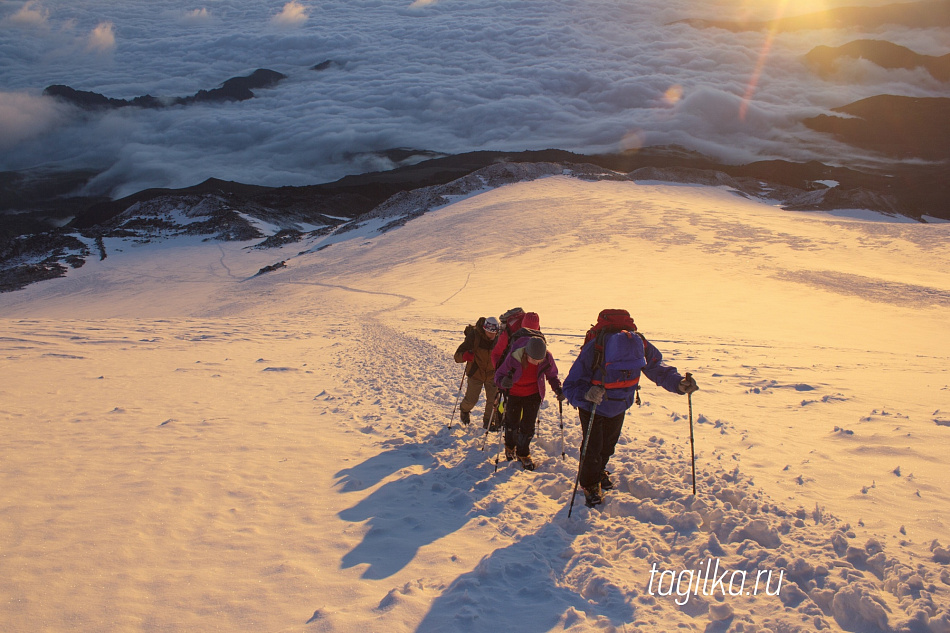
<point x="623" y="358"/>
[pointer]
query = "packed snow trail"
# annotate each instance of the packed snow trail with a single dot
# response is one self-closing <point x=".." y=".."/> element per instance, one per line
<point x="779" y="568"/>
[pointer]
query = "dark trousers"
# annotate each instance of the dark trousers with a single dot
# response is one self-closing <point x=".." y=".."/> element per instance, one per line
<point x="600" y="445"/>
<point x="521" y="413"/>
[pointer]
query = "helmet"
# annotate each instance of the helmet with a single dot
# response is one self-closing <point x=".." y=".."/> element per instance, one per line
<point x="491" y="325"/>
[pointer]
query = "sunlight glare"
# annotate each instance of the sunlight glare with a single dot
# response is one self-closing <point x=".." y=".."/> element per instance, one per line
<point x="673" y="94"/>
<point x="763" y="56"/>
<point x="632" y="141"/>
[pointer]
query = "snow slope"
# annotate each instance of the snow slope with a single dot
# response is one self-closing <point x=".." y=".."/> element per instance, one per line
<point x="190" y="447"/>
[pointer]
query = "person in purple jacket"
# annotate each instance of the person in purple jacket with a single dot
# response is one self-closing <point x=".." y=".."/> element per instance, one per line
<point x="608" y="377"/>
<point x="521" y="375"/>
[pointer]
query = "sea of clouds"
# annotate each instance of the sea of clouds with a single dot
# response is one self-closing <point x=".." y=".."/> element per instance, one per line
<point x="442" y="75"/>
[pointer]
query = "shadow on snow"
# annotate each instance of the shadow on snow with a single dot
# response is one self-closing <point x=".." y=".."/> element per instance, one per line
<point x="416" y="509"/>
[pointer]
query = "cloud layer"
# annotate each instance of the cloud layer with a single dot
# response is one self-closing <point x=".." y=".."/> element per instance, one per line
<point x="30" y="14"/>
<point x="293" y="14"/>
<point x="102" y="38"/>
<point x="451" y="76"/>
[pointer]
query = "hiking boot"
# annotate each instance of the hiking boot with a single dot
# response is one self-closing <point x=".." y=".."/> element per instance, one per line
<point x="593" y="495"/>
<point x="465" y="417"/>
<point x="493" y="427"/>
<point x="605" y="483"/>
<point x="526" y="462"/>
<point x="510" y="453"/>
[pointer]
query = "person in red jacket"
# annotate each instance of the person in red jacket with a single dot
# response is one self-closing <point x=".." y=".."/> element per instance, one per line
<point x="522" y="375"/>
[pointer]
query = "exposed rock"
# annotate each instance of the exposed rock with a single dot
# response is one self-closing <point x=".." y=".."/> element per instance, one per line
<point x="31" y="258"/>
<point x="281" y="238"/>
<point x="18" y="277"/>
<point x="326" y="65"/>
<point x="271" y="268"/>
<point x="234" y="89"/>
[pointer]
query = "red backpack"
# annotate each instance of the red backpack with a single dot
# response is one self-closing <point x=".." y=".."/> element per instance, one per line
<point x="611" y="321"/>
<point x="511" y="320"/>
<point x="631" y="352"/>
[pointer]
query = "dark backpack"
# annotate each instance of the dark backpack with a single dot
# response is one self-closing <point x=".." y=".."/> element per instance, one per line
<point x="520" y="334"/>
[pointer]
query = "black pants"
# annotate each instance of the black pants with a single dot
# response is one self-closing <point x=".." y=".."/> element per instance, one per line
<point x="600" y="445"/>
<point x="521" y="413"/>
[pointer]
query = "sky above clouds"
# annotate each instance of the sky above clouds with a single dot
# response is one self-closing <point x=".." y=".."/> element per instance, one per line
<point x="442" y="75"/>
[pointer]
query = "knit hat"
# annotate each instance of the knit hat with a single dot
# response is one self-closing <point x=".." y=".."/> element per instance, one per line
<point x="536" y="348"/>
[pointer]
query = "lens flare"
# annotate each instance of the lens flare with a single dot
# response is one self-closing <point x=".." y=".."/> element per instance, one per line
<point x="673" y="94"/>
<point x="763" y="56"/>
<point x="632" y="141"/>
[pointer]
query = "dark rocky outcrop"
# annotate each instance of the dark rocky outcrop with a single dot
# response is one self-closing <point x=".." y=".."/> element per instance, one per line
<point x="237" y="88"/>
<point x="915" y="189"/>
<point x="824" y="59"/>
<point x="271" y="268"/>
<point x="234" y="89"/>
<point x="900" y="127"/>
<point x="37" y="200"/>
<point x="281" y="238"/>
<point x="30" y="258"/>
<point x="326" y="65"/>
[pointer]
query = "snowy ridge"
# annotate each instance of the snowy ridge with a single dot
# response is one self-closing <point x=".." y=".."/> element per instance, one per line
<point x="407" y="205"/>
<point x="211" y="215"/>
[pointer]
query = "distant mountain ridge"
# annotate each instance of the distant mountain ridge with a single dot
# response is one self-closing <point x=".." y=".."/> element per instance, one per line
<point x="226" y="211"/>
<point x="824" y="59"/>
<point x="234" y="89"/>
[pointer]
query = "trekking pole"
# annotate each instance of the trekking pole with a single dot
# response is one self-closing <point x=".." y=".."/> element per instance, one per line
<point x="580" y="464"/>
<point x="560" y="415"/>
<point x="491" y="419"/>
<point x="692" y="449"/>
<point x="452" y="417"/>
<point x="501" y="434"/>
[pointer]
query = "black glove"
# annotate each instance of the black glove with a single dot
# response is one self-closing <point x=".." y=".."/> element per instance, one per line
<point x="506" y="383"/>
<point x="688" y="385"/>
<point x="559" y="393"/>
<point x="595" y="394"/>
